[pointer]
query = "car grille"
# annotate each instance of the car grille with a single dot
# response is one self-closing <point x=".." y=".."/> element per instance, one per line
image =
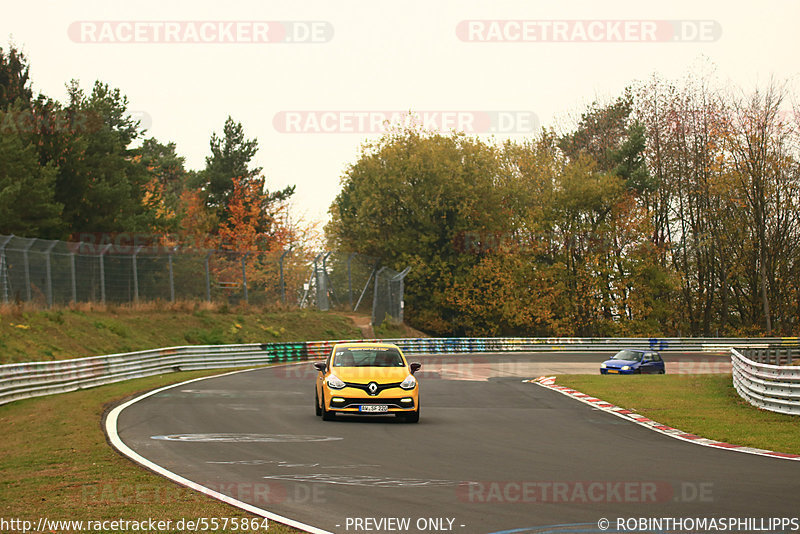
<point x="365" y="387"/>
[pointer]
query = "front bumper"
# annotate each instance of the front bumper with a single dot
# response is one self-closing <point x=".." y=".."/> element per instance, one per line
<point x="351" y="400"/>
<point x="611" y="371"/>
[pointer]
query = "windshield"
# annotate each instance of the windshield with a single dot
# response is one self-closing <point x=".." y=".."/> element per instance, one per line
<point x="628" y="355"/>
<point x="368" y="357"/>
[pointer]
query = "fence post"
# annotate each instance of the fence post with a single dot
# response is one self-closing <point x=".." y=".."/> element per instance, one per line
<point x="364" y="291"/>
<point x="4" y="267"/>
<point x="72" y="277"/>
<point x="283" y="284"/>
<point x="136" y="275"/>
<point x="49" y="273"/>
<point x="323" y="303"/>
<point x="171" y="277"/>
<point x="375" y="320"/>
<point x="244" y="277"/>
<point x="208" y="277"/>
<point x="400" y="278"/>
<point x="27" y="265"/>
<point x="350" y="280"/>
<point x="103" y="273"/>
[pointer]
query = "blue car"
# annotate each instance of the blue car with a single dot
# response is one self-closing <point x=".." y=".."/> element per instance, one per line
<point x="633" y="362"/>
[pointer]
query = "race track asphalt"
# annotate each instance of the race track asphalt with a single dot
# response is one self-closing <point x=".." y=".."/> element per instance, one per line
<point x="490" y="453"/>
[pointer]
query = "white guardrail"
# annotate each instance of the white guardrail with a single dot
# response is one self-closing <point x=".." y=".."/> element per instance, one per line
<point x="771" y="387"/>
<point x="25" y="380"/>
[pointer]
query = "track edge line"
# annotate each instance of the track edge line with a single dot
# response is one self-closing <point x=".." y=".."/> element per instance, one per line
<point x="110" y="426"/>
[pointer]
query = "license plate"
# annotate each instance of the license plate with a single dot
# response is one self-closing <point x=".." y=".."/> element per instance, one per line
<point x="613" y="371"/>
<point x="374" y="408"/>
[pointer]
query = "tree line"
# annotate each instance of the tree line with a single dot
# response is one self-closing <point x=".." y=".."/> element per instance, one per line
<point x="87" y="166"/>
<point x="672" y="209"/>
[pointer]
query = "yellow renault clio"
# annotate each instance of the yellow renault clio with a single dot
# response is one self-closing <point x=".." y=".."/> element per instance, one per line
<point x="367" y="379"/>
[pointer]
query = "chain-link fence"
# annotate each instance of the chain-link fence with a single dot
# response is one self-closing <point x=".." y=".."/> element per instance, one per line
<point x="388" y="299"/>
<point x="47" y="273"/>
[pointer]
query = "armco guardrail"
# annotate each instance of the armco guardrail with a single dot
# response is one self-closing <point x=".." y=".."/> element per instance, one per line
<point x="24" y="380"/>
<point x="772" y="387"/>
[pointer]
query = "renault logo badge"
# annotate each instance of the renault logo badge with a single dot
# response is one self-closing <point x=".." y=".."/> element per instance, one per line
<point x="372" y="388"/>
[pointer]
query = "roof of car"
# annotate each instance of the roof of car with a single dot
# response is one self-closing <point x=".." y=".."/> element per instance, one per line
<point x="366" y="344"/>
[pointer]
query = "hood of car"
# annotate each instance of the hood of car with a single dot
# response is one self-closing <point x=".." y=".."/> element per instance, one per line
<point x="617" y="364"/>
<point x="364" y="375"/>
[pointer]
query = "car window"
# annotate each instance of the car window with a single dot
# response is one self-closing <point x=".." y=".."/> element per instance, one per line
<point x="367" y="357"/>
<point x="628" y="355"/>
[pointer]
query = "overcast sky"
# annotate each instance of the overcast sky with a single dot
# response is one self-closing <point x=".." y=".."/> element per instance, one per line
<point x="311" y="105"/>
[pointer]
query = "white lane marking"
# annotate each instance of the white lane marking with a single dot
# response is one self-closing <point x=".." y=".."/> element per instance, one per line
<point x="364" y="480"/>
<point x="243" y="438"/>
<point x="282" y="463"/>
<point x="111" y="430"/>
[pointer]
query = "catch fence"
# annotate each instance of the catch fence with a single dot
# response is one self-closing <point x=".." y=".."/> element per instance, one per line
<point x="120" y="270"/>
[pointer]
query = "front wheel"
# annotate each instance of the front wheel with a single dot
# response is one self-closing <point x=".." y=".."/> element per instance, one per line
<point x="318" y="410"/>
<point x="411" y="417"/>
<point x="326" y="414"/>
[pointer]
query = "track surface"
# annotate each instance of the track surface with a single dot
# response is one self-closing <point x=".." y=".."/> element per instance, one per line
<point x="480" y="424"/>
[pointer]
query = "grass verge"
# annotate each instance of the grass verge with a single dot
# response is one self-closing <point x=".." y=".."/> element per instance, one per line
<point x="56" y="464"/>
<point x="705" y="405"/>
<point x="91" y="330"/>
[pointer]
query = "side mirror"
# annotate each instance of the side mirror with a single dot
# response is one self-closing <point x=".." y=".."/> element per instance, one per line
<point x="320" y="366"/>
<point x="414" y="367"/>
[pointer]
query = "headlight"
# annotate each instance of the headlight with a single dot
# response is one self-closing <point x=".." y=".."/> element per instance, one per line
<point x="409" y="383"/>
<point x="602" y="366"/>
<point x="335" y="382"/>
<point x="626" y="367"/>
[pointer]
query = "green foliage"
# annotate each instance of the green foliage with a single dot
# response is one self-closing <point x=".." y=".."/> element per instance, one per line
<point x="410" y="197"/>
<point x="75" y="167"/>
<point x="230" y="158"/>
<point x="101" y="182"/>
<point x="14" y="79"/>
<point x="215" y="336"/>
<point x="512" y="240"/>
<point x="27" y="199"/>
